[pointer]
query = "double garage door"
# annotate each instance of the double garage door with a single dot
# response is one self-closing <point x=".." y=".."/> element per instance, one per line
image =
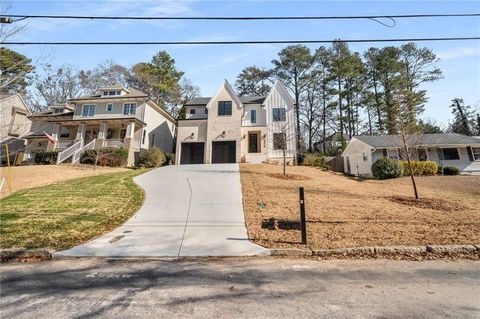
<point x="222" y="152"/>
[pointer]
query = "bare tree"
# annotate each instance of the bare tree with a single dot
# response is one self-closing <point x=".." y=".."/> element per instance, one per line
<point x="8" y="30"/>
<point x="283" y="136"/>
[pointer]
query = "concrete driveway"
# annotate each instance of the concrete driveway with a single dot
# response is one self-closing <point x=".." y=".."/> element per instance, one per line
<point x="189" y="210"/>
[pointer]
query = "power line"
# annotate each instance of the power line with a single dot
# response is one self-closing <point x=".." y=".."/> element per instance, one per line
<point x="24" y="16"/>
<point x="241" y="42"/>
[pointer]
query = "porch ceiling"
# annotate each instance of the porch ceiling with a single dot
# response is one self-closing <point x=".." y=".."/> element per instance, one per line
<point x="110" y="122"/>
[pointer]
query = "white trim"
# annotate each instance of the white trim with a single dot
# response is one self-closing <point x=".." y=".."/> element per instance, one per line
<point x="458" y="151"/>
<point x="475" y="159"/>
<point x="109" y="104"/>
<point x="129" y="108"/>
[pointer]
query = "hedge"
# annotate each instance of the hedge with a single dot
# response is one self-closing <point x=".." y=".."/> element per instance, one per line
<point x="107" y="156"/>
<point x="316" y="160"/>
<point x="451" y="170"/>
<point x="386" y="168"/>
<point x="46" y="157"/>
<point x="420" y="168"/>
<point x="152" y="158"/>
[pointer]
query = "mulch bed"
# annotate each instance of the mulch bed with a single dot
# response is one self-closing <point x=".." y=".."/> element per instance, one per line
<point x="428" y="203"/>
<point x="295" y="177"/>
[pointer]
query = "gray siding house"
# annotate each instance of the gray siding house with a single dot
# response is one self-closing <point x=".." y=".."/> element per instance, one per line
<point x="455" y="150"/>
<point x="113" y="117"/>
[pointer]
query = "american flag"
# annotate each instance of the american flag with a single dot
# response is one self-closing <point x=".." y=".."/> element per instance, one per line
<point x="51" y="140"/>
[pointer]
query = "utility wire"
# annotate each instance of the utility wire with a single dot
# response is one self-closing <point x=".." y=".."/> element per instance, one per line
<point x="241" y="42"/>
<point x="24" y="16"/>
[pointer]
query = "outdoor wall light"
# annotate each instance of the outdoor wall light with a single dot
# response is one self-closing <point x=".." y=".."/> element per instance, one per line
<point x="192" y="135"/>
<point x="223" y="134"/>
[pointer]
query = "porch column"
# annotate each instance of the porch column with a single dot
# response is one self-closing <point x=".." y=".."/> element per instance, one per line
<point x="102" y="135"/>
<point x="80" y="133"/>
<point x="129" y="143"/>
<point x="55" y="134"/>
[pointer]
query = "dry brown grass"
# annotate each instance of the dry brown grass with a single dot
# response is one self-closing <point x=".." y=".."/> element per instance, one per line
<point x="350" y="212"/>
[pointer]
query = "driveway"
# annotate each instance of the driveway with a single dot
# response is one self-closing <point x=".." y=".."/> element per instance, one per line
<point x="189" y="210"/>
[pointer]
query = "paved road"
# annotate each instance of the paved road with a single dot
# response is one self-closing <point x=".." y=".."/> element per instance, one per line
<point x="189" y="210"/>
<point x="268" y="288"/>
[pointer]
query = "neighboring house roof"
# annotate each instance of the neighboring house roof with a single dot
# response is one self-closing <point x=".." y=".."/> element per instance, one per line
<point x="50" y="112"/>
<point x="385" y="141"/>
<point x="4" y="96"/>
<point x="202" y="101"/>
<point x="131" y="93"/>
<point x="20" y="110"/>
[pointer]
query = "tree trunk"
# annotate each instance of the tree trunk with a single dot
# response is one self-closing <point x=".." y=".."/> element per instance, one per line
<point x="339" y="81"/>
<point x="377" y="104"/>
<point x="349" y="110"/>
<point x="409" y="163"/>
<point x="324" y="119"/>
<point x="284" y="162"/>
<point x="297" y="110"/>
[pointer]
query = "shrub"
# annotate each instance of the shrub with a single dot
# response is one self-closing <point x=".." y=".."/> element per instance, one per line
<point x="386" y="168"/>
<point x="451" y="170"/>
<point x="439" y="169"/>
<point x="300" y="159"/>
<point x="315" y="160"/>
<point x="152" y="158"/>
<point x="420" y="168"/>
<point x="170" y="157"/>
<point x="46" y="157"/>
<point x="107" y="156"/>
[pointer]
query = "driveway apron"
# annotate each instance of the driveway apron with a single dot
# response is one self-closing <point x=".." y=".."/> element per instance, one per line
<point x="189" y="210"/>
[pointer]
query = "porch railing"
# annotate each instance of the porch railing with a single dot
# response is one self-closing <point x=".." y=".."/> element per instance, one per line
<point x="114" y="143"/>
<point x="66" y="153"/>
<point x="64" y="144"/>
<point x="79" y="152"/>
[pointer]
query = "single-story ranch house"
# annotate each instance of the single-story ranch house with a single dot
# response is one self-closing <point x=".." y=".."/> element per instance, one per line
<point x="454" y="150"/>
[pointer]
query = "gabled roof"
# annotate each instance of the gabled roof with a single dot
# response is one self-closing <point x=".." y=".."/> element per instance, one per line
<point x="246" y="99"/>
<point x="227" y="87"/>
<point x="17" y="109"/>
<point x="385" y="141"/>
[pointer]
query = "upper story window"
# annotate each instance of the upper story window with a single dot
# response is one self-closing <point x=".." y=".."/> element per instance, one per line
<point x="88" y="110"/>
<point x="225" y="108"/>
<point x="109" y="107"/>
<point x="206" y="111"/>
<point x="112" y="93"/>
<point x="450" y="153"/>
<point x="278" y="114"/>
<point x="129" y="108"/>
<point x="58" y="111"/>
<point x="253" y="116"/>
<point x="192" y="111"/>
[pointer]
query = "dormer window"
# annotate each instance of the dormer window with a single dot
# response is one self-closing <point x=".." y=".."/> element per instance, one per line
<point x="112" y="93"/>
<point x="58" y="111"/>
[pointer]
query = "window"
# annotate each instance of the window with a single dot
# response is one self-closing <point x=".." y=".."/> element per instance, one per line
<point x="225" y="108"/>
<point x="392" y="153"/>
<point x="450" y="154"/>
<point x="278" y="114"/>
<point x="109" y="107"/>
<point x="64" y="132"/>
<point x="279" y="141"/>
<point x="88" y="110"/>
<point x="58" y="111"/>
<point x="365" y="157"/>
<point x="119" y="92"/>
<point x="129" y="108"/>
<point x="192" y="111"/>
<point x="422" y="154"/>
<point x="143" y="137"/>
<point x="476" y="153"/>
<point x="206" y="111"/>
<point x="123" y="133"/>
<point x="111" y="92"/>
<point x="253" y="116"/>
<point x="152" y="141"/>
<point x="105" y="93"/>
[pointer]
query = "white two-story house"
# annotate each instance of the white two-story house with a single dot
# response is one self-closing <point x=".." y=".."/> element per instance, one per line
<point x="113" y="117"/>
<point x="227" y="128"/>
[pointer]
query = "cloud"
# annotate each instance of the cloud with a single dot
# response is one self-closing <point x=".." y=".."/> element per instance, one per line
<point x="459" y="53"/>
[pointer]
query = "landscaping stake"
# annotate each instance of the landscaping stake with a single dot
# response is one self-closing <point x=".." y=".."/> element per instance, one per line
<point x="302" y="217"/>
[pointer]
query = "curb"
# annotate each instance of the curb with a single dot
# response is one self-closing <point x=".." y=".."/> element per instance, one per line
<point x="381" y="250"/>
<point x="20" y="253"/>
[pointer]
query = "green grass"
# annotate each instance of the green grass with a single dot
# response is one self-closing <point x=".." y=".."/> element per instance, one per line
<point x="66" y="214"/>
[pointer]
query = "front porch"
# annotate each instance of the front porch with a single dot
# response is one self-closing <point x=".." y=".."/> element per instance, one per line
<point x="73" y="138"/>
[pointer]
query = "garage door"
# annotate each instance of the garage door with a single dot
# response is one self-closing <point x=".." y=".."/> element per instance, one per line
<point x="224" y="152"/>
<point x="192" y="153"/>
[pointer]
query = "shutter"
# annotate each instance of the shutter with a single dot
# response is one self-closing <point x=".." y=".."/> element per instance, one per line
<point x="470" y="154"/>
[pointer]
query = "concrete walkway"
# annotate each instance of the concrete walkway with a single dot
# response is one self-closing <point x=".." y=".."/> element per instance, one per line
<point x="189" y="210"/>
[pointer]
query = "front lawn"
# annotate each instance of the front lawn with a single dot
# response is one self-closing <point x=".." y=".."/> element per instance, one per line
<point x="69" y="213"/>
<point x="350" y="212"/>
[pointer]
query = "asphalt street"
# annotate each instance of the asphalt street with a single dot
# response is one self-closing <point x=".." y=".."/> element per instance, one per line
<point x="240" y="288"/>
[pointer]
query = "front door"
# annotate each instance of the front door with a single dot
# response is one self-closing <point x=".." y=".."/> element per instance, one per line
<point x="224" y="152"/>
<point x="90" y="134"/>
<point x="253" y="142"/>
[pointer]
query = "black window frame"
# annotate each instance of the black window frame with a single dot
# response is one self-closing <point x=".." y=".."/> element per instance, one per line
<point x="225" y="108"/>
<point x="192" y="111"/>
<point x="279" y="117"/>
<point x="449" y="157"/>
<point x="277" y="147"/>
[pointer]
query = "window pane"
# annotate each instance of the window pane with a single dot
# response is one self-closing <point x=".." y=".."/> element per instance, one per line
<point x="278" y="114"/>
<point x="253" y="116"/>
<point x="91" y="111"/>
<point x="476" y="153"/>
<point x="225" y="108"/>
<point x="279" y="141"/>
<point x="125" y="109"/>
<point x="450" y="153"/>
<point x="228" y="108"/>
<point x="133" y="107"/>
<point x="85" y="110"/>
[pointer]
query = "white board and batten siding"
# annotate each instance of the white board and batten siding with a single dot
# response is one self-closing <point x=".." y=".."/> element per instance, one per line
<point x="279" y="98"/>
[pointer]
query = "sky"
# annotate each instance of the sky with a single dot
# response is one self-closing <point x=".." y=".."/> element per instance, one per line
<point x="208" y="66"/>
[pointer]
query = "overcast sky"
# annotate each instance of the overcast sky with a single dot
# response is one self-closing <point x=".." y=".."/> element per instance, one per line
<point x="207" y="66"/>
